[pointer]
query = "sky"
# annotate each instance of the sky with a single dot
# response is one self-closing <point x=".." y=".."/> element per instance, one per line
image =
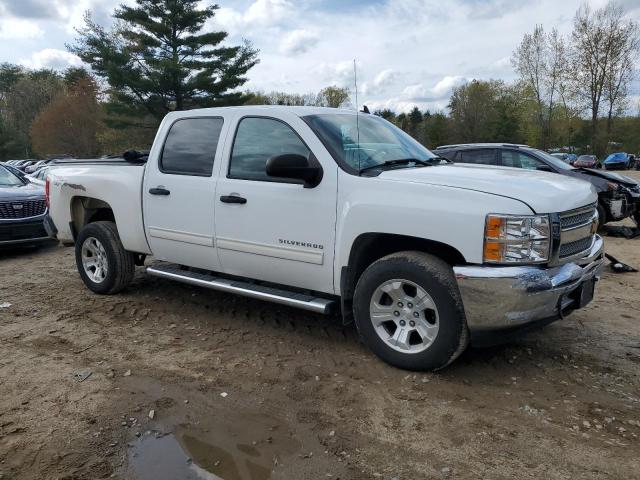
<point x="408" y="52"/>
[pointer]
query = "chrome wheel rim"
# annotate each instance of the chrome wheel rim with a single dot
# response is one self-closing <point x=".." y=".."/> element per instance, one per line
<point x="94" y="260"/>
<point x="404" y="316"/>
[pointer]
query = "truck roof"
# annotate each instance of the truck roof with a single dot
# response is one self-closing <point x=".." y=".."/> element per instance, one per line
<point x="300" y="111"/>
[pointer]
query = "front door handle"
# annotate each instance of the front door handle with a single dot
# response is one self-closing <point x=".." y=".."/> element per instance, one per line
<point x="159" y="191"/>
<point x="233" y="199"/>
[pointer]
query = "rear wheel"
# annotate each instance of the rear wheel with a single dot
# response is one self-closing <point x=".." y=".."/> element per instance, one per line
<point x="408" y="311"/>
<point x="104" y="265"/>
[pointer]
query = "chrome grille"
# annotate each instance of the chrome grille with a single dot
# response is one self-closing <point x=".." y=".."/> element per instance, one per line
<point x="576" y="231"/>
<point x="571" y="221"/>
<point x="17" y="209"/>
<point x="573" y="248"/>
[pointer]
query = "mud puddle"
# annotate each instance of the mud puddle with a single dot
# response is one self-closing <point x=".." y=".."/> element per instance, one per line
<point x="250" y="449"/>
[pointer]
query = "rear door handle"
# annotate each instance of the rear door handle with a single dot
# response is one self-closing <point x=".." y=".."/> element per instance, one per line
<point x="233" y="199"/>
<point x="159" y="191"/>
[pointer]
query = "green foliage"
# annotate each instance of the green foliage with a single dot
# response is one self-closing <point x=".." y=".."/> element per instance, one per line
<point x="157" y="59"/>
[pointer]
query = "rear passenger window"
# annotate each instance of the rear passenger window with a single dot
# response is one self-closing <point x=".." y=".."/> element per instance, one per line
<point x="480" y="157"/>
<point x="191" y="146"/>
<point x="257" y="140"/>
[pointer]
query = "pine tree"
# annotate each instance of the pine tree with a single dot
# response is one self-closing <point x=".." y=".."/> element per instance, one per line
<point x="158" y="58"/>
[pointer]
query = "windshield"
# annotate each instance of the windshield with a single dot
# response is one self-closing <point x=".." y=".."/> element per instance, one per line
<point x="586" y="158"/>
<point x="365" y="141"/>
<point x="8" y="179"/>
<point x="555" y="162"/>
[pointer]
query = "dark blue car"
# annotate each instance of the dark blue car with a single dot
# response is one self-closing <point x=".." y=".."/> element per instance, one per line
<point x="618" y="161"/>
<point x="22" y="210"/>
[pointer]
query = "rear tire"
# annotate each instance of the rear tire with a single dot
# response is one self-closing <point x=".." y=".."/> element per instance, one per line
<point x="103" y="263"/>
<point x="409" y="312"/>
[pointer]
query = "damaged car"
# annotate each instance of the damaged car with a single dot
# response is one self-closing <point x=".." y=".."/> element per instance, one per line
<point x="618" y="195"/>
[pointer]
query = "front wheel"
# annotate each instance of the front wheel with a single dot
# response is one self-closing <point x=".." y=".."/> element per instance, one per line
<point x="104" y="265"/>
<point x="408" y="310"/>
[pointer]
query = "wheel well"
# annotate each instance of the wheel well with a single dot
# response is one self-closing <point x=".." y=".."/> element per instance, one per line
<point x="85" y="210"/>
<point x="369" y="247"/>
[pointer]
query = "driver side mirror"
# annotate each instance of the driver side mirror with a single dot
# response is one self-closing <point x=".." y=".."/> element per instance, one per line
<point x="544" y="168"/>
<point x="296" y="167"/>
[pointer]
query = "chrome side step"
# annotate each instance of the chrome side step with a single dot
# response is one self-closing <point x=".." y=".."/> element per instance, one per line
<point x="283" y="297"/>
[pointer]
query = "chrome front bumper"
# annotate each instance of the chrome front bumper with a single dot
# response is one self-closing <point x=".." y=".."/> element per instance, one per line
<point x="507" y="298"/>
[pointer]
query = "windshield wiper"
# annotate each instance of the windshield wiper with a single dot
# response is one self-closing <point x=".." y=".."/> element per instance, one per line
<point x="400" y="161"/>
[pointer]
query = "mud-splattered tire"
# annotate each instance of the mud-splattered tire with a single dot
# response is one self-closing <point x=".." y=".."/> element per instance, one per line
<point x="104" y="265"/>
<point x="408" y="310"/>
<point x="602" y="218"/>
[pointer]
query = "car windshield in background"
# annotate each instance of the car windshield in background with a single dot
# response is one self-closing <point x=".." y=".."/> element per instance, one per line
<point x="367" y="141"/>
<point x="555" y="162"/>
<point x="586" y="158"/>
<point x="8" y="179"/>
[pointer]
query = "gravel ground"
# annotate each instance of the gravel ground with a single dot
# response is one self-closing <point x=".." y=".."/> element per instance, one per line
<point x="183" y="380"/>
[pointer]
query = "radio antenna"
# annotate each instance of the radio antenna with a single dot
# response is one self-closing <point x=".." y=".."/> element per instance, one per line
<point x="355" y="81"/>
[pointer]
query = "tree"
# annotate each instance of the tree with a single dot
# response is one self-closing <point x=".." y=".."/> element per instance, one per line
<point x="541" y="62"/>
<point x="334" y="97"/>
<point x="70" y="123"/>
<point x="603" y="45"/>
<point x="473" y="111"/>
<point x="415" y="120"/>
<point x="157" y="58"/>
<point x="22" y="103"/>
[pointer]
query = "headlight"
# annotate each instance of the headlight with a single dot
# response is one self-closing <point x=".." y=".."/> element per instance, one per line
<point x="517" y="239"/>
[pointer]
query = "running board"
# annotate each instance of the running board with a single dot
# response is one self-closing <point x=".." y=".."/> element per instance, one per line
<point x="239" y="287"/>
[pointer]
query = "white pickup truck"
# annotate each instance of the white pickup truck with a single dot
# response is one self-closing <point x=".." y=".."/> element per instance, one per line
<point x="333" y="211"/>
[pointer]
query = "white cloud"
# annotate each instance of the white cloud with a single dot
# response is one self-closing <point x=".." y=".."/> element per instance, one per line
<point x="385" y="78"/>
<point x="52" y="58"/>
<point x="19" y="29"/>
<point x="298" y="42"/>
<point x="260" y="13"/>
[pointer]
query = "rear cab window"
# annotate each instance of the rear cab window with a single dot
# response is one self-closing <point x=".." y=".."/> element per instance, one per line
<point x="190" y="147"/>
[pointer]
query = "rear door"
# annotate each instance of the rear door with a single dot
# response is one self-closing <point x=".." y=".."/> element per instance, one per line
<point x="179" y="193"/>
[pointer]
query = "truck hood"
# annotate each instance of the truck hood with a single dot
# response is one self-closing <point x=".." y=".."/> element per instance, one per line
<point x="29" y="191"/>
<point x="543" y="192"/>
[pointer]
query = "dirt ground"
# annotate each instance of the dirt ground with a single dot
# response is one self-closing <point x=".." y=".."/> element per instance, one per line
<point x="183" y="381"/>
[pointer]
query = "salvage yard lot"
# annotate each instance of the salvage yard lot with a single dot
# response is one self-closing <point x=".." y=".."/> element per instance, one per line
<point x="251" y="387"/>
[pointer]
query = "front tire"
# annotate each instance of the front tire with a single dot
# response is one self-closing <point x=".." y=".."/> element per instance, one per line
<point x="103" y="263"/>
<point x="409" y="312"/>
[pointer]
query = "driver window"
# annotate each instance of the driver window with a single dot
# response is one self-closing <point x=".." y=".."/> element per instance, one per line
<point x="511" y="158"/>
<point x="257" y="140"/>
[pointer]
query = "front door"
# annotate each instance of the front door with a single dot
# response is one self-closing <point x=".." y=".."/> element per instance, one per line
<point x="179" y="192"/>
<point x="271" y="229"/>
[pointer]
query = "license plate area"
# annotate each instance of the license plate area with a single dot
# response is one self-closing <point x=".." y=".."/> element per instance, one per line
<point x="583" y="295"/>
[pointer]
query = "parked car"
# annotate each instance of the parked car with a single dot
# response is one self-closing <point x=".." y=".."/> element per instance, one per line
<point x="326" y="210"/>
<point x="22" y="210"/>
<point x="619" y="161"/>
<point x="37" y="165"/>
<point x="569" y="158"/>
<point x="40" y="175"/>
<point x="14" y="170"/>
<point x="618" y="195"/>
<point x="587" y="161"/>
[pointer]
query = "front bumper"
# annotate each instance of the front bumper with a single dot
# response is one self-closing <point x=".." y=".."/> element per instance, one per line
<point x="503" y="299"/>
<point x="21" y="231"/>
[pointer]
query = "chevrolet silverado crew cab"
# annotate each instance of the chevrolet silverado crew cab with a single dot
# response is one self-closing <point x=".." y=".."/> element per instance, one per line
<point x="333" y="211"/>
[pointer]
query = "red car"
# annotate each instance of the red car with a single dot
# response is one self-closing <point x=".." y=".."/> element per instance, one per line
<point x="587" y="161"/>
